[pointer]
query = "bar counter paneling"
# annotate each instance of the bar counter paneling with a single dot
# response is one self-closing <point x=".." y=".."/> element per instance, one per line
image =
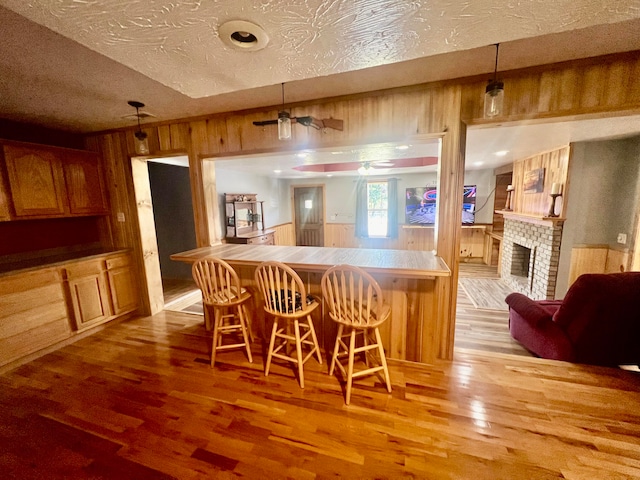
<point x="408" y="280"/>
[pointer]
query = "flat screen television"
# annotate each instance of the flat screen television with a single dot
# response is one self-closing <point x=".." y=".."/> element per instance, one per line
<point x="421" y="205"/>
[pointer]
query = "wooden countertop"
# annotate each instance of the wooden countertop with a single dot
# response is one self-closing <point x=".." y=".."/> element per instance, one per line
<point x="26" y="265"/>
<point x="402" y="263"/>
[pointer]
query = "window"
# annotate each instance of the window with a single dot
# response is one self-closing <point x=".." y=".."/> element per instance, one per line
<point x="377" y="208"/>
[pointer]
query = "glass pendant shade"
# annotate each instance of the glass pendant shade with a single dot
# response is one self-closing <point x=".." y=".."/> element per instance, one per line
<point x="284" y="126"/>
<point x="142" y="145"/>
<point x="493" y="99"/>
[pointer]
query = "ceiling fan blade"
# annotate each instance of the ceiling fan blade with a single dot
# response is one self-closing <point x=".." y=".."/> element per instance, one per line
<point x="266" y="122"/>
<point x="308" y="121"/>
<point x="332" y="123"/>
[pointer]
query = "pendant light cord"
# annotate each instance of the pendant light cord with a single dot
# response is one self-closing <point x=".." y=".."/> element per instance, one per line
<point x="138" y="116"/>
<point x="495" y="71"/>
<point x="283" y="96"/>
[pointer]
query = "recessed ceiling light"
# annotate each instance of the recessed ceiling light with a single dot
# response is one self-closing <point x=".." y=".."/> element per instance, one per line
<point x="277" y="171"/>
<point x="501" y="153"/>
<point x="402" y="147"/>
<point x="243" y="35"/>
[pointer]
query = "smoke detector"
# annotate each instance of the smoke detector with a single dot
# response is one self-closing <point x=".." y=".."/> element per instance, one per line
<point x="243" y="35"/>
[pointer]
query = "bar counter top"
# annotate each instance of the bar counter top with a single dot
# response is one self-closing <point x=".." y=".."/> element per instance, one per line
<point x="400" y="263"/>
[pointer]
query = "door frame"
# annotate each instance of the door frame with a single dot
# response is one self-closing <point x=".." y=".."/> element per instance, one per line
<point x="294" y="220"/>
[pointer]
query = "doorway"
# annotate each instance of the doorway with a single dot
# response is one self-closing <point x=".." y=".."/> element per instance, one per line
<point x="174" y="222"/>
<point x="308" y="215"/>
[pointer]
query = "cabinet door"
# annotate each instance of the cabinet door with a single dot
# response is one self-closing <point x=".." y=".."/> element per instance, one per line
<point x="36" y="181"/>
<point x="84" y="182"/>
<point x="5" y="212"/>
<point x="90" y="300"/>
<point x="124" y="295"/>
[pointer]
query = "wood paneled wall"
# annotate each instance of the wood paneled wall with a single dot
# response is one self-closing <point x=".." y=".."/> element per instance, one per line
<point x="342" y="235"/>
<point x="605" y="85"/>
<point x="598" y="85"/>
<point x="555" y="164"/>
<point x="597" y="259"/>
<point x="284" y="234"/>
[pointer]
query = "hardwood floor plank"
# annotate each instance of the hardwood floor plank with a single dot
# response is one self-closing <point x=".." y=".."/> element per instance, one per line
<point x="135" y="401"/>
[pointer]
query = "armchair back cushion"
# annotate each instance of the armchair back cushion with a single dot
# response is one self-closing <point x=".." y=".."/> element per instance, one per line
<point x="601" y="316"/>
<point x="598" y="322"/>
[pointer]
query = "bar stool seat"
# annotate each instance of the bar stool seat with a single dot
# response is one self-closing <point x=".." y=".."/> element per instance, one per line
<point x="225" y="300"/>
<point x="285" y="297"/>
<point x="355" y="303"/>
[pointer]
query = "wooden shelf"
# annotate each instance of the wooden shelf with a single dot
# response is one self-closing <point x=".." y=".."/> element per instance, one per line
<point x="529" y="218"/>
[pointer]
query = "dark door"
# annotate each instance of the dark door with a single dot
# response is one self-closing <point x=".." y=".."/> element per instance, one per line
<point x="309" y="212"/>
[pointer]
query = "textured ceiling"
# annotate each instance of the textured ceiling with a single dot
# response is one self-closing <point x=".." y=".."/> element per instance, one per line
<point x="177" y="43"/>
<point x="73" y="65"/>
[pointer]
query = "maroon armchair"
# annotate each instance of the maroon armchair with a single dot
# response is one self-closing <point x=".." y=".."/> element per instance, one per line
<point x="597" y="323"/>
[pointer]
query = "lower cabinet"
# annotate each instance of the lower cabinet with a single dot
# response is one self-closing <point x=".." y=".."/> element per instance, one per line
<point x="42" y="307"/>
<point x="122" y="285"/>
<point x="101" y="289"/>
<point x="33" y="313"/>
<point x="88" y="293"/>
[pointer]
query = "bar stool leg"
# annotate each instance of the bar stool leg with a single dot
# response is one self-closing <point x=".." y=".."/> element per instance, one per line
<point x="352" y="347"/>
<point x="336" y="349"/>
<point x="271" y="342"/>
<point x="214" y="339"/>
<point x="296" y="327"/>
<point x="315" y="339"/>
<point x="383" y="360"/>
<point x="243" y="326"/>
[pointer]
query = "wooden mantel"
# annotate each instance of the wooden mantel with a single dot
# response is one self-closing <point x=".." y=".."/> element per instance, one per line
<point x="537" y="219"/>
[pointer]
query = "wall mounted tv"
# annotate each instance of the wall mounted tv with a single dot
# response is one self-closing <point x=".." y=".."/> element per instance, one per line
<point x="421" y="205"/>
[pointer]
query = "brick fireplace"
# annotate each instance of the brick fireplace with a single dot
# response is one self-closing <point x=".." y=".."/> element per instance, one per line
<point x="530" y="254"/>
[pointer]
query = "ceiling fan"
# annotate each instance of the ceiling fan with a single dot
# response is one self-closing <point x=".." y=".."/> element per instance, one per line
<point x="308" y="121"/>
<point x="284" y="122"/>
<point x="369" y="168"/>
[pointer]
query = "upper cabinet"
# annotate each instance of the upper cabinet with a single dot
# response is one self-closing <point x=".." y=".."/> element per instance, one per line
<point x="84" y="183"/>
<point x="36" y="181"/>
<point x="48" y="182"/>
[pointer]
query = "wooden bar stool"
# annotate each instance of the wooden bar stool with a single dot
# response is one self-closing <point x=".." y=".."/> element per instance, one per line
<point x="285" y="297"/>
<point x="354" y="300"/>
<point x="225" y="300"/>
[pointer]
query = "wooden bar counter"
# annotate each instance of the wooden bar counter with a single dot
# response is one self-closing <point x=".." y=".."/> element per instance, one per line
<point x="408" y="279"/>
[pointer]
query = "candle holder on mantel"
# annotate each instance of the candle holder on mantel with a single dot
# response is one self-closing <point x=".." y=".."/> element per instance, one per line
<point x="509" y="203"/>
<point x="556" y="191"/>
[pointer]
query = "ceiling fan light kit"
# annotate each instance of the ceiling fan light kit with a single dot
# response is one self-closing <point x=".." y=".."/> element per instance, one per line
<point x="141" y="143"/>
<point x="494" y="93"/>
<point x="285" y="120"/>
<point x="284" y="126"/>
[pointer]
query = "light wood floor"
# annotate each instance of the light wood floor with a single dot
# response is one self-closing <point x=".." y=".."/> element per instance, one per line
<point x="139" y="401"/>
<point x="483" y="330"/>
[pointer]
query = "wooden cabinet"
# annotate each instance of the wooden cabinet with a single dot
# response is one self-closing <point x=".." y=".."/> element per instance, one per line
<point x="48" y="182"/>
<point x="264" y="237"/>
<point x="88" y="293"/>
<point x="84" y="182"/>
<point x="5" y="211"/>
<point x="101" y="289"/>
<point x="245" y="220"/>
<point x="36" y="181"/>
<point x="33" y="313"/>
<point x="122" y="285"/>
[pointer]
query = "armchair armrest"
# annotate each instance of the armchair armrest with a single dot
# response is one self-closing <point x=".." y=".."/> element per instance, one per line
<point x="528" y="309"/>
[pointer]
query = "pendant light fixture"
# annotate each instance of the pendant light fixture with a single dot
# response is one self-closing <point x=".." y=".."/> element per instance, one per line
<point x="142" y="145"/>
<point x="494" y="93"/>
<point x="284" y="121"/>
